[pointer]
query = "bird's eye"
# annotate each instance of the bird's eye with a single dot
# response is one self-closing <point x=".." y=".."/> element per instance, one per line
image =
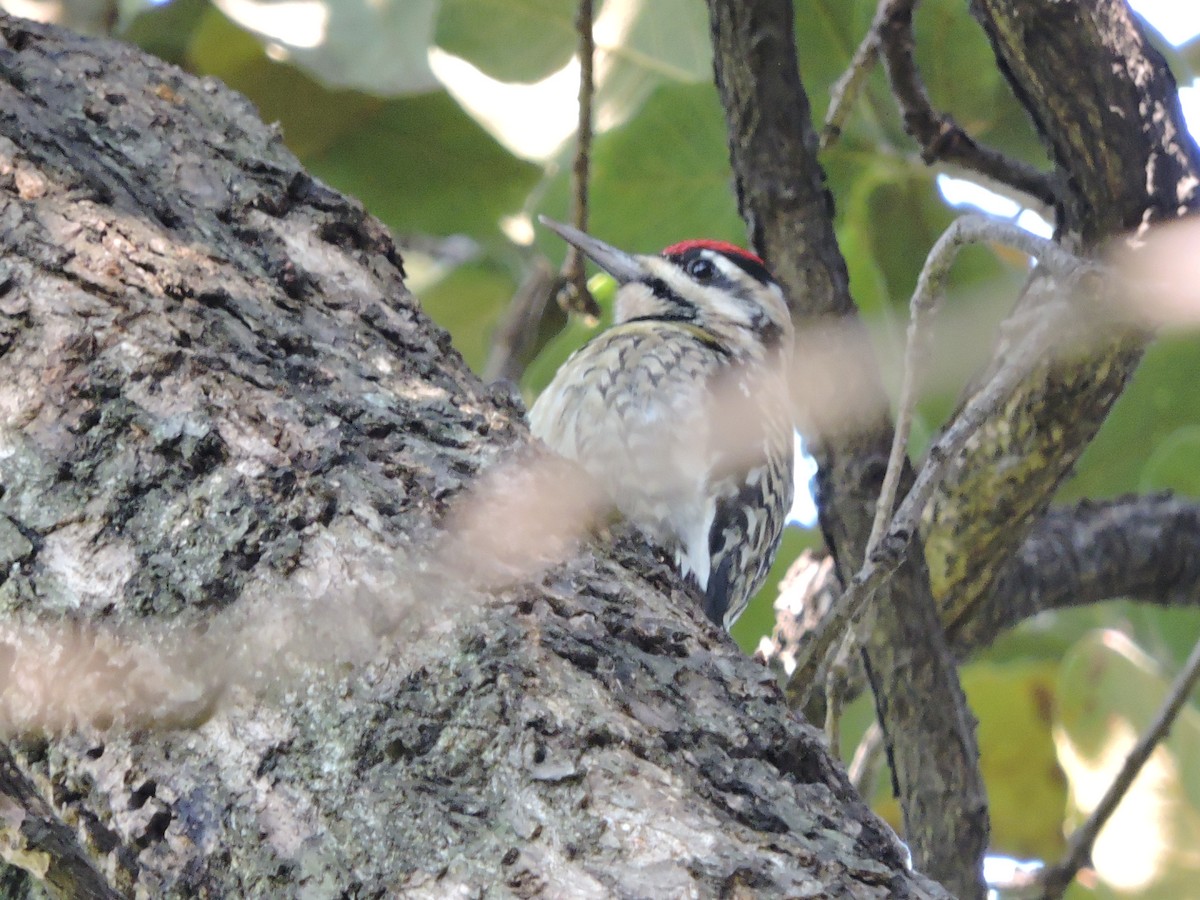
<point x="702" y="269"/>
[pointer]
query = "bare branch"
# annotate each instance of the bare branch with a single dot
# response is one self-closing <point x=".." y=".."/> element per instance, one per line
<point x="940" y="137"/>
<point x="574" y="294"/>
<point x="1055" y="879"/>
<point x="926" y="299"/>
<point x="846" y="89"/>
<point x="529" y="316"/>
<point x="1046" y="327"/>
<point x="1137" y="547"/>
<point x="784" y="199"/>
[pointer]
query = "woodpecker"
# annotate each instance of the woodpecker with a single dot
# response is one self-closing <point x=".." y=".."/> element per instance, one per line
<point x="680" y="410"/>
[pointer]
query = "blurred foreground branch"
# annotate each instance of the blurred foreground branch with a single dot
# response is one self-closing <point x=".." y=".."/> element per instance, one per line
<point x="234" y="454"/>
<point x="782" y="197"/>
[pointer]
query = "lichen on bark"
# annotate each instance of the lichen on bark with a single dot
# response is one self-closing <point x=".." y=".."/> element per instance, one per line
<point x="230" y="443"/>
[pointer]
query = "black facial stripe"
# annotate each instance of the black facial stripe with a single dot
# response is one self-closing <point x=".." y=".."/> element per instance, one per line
<point x="663" y="292"/>
<point x="660" y="317"/>
<point x="755" y="270"/>
<point x="683" y="260"/>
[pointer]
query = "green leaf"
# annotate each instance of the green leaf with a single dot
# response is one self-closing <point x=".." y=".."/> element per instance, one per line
<point x="667" y="37"/>
<point x="222" y="48"/>
<point x="643" y="44"/>
<point x="311" y="116"/>
<point x="510" y="40"/>
<point x="1166" y="634"/>
<point x="640" y="45"/>
<point x="1158" y="409"/>
<point x="1026" y="789"/>
<point x="377" y="46"/>
<point x="1189" y="55"/>
<point x="468" y="302"/>
<point x="421" y="164"/>
<point x="1107" y="694"/>
<point x="662" y="177"/>
<point x="827" y="34"/>
<point x="166" y="31"/>
<point x="1175" y="463"/>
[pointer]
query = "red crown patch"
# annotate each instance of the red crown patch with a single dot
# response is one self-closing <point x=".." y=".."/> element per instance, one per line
<point x="718" y="246"/>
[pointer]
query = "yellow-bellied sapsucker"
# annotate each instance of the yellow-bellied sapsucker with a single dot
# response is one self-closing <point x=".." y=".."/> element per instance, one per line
<point x="680" y="410"/>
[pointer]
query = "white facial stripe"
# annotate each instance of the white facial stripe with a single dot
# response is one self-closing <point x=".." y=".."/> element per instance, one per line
<point x="729" y="269"/>
<point x="710" y="299"/>
<point x="720" y="303"/>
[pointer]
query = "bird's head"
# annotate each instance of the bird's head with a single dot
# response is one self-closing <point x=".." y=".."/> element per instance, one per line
<point x="723" y="289"/>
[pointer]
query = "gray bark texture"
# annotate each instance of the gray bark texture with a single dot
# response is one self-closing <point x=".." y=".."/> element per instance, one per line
<point x="242" y="653"/>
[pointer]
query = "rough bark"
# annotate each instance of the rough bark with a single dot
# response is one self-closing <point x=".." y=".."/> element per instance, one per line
<point x="1139" y="548"/>
<point x="229" y="441"/>
<point x="782" y="196"/>
<point x="1107" y="108"/>
<point x="1135" y="548"/>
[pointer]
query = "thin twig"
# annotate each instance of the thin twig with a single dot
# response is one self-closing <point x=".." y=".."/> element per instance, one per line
<point x="865" y="764"/>
<point x="522" y="331"/>
<point x="940" y="137"/>
<point x="530" y="316"/>
<point x="1057" y="878"/>
<point x="926" y="299"/>
<point x="846" y="89"/>
<point x="577" y="296"/>
<point x="834" y="695"/>
<point x="1045" y="332"/>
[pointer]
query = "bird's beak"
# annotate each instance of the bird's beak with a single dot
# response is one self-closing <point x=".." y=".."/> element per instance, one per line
<point x="617" y="263"/>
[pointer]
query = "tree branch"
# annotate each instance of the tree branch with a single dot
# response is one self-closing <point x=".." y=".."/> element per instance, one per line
<point x="226" y="416"/>
<point x="1137" y="548"/>
<point x="940" y="137"/>
<point x="1055" y="879"/>
<point x="1046" y="329"/>
<point x="926" y="299"/>
<point x="782" y="197"/>
<point x="1088" y="64"/>
<point x="574" y="294"/>
<point x="1085" y="64"/>
<point x="847" y="88"/>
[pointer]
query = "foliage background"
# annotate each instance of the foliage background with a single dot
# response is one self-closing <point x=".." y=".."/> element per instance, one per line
<point x="450" y="120"/>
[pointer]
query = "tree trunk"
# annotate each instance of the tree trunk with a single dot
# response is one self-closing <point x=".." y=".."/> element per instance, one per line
<point x="1105" y="104"/>
<point x="929" y="733"/>
<point x="244" y="657"/>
